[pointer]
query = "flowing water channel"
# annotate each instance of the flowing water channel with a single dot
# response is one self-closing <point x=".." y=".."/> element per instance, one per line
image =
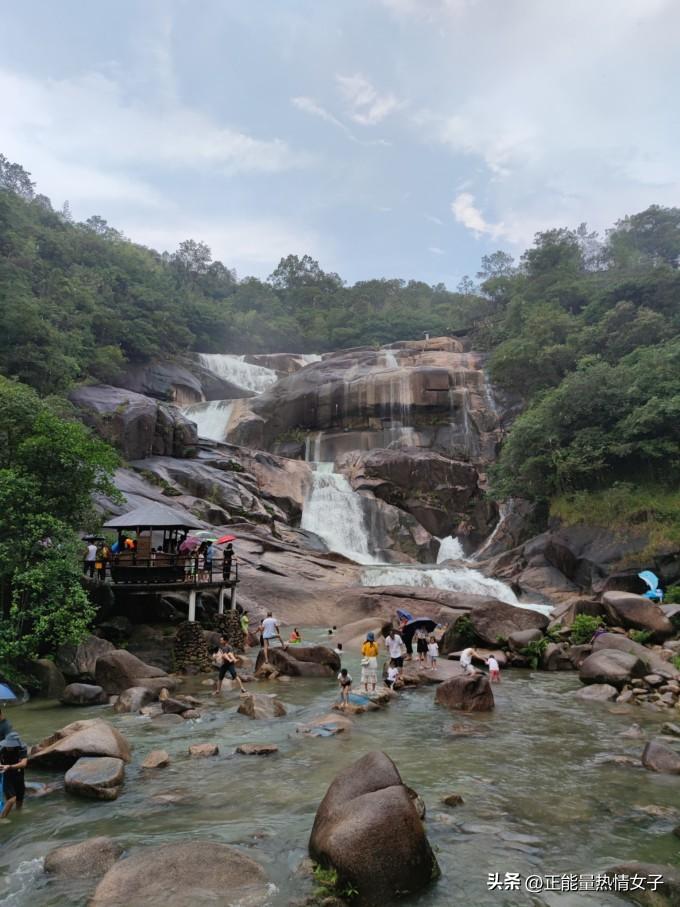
<point x="540" y="794"/>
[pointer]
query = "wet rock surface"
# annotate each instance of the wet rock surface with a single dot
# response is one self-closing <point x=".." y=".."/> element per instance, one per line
<point x="96" y="778"/>
<point x="85" y="860"/>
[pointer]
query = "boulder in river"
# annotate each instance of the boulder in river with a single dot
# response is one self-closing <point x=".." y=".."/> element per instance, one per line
<point x="203" y="750"/>
<point x="325" y="726"/>
<point x="598" y="692"/>
<point x="302" y="661"/>
<point x="134" y="699"/>
<point x="657" y="757"/>
<point x="92" y="737"/>
<point x="494" y="621"/>
<point x="189" y="872"/>
<point x="261" y="706"/>
<point x="257" y="749"/>
<point x="45" y="678"/>
<point x="156" y="759"/>
<point x="95" y="777"/>
<point x="364" y="800"/>
<point x="118" y="670"/>
<point x="635" y="612"/>
<point x="83" y="694"/>
<point x="467" y="692"/>
<point x="612" y="667"/>
<point x="78" y="662"/>
<point x="652" y="661"/>
<point x="664" y="890"/>
<point x="85" y="860"/>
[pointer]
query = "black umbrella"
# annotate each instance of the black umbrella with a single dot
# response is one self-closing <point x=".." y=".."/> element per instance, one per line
<point x="419" y="623"/>
<point x="94" y="538"/>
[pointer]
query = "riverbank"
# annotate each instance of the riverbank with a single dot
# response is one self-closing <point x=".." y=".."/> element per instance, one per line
<point x="541" y="790"/>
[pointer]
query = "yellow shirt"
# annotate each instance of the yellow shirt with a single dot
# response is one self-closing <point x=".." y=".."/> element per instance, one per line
<point x="369" y="650"/>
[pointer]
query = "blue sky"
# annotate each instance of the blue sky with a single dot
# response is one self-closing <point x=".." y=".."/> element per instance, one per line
<point x="398" y="138"/>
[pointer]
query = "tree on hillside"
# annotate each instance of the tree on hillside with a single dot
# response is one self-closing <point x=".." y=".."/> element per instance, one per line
<point x="49" y="469"/>
<point x="650" y="237"/>
<point x="15" y="179"/>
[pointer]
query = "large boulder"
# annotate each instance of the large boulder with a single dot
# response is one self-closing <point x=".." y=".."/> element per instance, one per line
<point x="494" y="621"/>
<point x="364" y="800"/>
<point x="657" y="757"/>
<point x="302" y="661"/>
<point x="325" y="726"/>
<point x="635" y="612"/>
<point x="661" y="885"/>
<point x="83" y="694"/>
<point x="134" y="699"/>
<point x="78" y="662"/>
<point x="441" y="493"/>
<point x="95" y="777"/>
<point x="467" y="693"/>
<point x="188" y="872"/>
<point x="45" y="678"/>
<point x="261" y="706"/>
<point x="137" y="425"/>
<point x="612" y="667"/>
<point x="119" y="670"/>
<point x="653" y="662"/>
<point x="597" y="692"/>
<point x="92" y="737"/>
<point x="85" y="860"/>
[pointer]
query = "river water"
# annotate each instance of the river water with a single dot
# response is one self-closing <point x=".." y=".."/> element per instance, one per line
<point x="539" y="795"/>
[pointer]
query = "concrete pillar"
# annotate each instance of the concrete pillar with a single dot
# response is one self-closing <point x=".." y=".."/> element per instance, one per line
<point x="223" y="593"/>
<point x="232" y="599"/>
<point x="192" y="605"/>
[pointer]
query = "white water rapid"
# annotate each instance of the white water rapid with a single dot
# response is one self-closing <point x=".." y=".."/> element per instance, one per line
<point x="237" y="371"/>
<point x="334" y="512"/>
<point x="450" y="549"/>
<point x="211" y="418"/>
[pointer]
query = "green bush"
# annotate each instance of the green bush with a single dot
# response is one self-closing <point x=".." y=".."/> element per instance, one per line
<point x="465" y="632"/>
<point x="672" y="596"/>
<point x="641" y="636"/>
<point x="534" y="651"/>
<point x="583" y="628"/>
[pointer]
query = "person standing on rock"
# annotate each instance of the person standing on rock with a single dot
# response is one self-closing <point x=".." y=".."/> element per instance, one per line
<point x="90" y="560"/>
<point x="421" y="645"/>
<point x="369" y="663"/>
<point x="270" y="631"/>
<point x="395" y="647"/>
<point x="245" y="627"/>
<point x="13" y="761"/>
<point x="225" y="660"/>
<point x="345" y="682"/>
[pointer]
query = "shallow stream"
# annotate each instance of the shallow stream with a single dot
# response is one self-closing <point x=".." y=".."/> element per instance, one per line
<point x="540" y="796"/>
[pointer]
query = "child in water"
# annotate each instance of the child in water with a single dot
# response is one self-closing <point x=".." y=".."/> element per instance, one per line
<point x="392" y="676"/>
<point x="295" y="636"/>
<point x="345" y="681"/>
<point x="494" y="669"/>
<point x="432" y="653"/>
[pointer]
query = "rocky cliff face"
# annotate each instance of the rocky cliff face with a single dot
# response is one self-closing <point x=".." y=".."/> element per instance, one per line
<point x="432" y="394"/>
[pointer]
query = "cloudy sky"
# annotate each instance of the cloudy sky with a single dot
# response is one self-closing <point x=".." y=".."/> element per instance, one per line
<point x="384" y="137"/>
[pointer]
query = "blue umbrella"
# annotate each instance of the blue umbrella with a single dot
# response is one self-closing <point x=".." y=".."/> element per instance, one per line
<point x="5" y="692"/>
<point x="652" y="580"/>
<point x="404" y="615"/>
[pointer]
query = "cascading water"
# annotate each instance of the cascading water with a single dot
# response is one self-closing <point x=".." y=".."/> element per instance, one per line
<point x="450" y="549"/>
<point x="237" y="371"/>
<point x="211" y="418"/>
<point x="334" y="512"/>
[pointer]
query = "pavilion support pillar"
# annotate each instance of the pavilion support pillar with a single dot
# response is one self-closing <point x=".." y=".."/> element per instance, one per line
<point x="192" y="605"/>
<point x="232" y="598"/>
<point x="223" y="593"/>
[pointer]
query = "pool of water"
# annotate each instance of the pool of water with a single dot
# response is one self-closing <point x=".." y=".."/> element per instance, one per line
<point x="539" y="795"/>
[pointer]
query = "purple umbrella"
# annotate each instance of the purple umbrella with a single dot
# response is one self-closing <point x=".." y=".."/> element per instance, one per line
<point x="189" y="543"/>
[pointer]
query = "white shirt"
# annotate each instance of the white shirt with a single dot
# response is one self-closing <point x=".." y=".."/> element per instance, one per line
<point x="392" y="673"/>
<point x="466" y="657"/>
<point x="91" y="553"/>
<point x="433" y="649"/>
<point x="347" y="679"/>
<point x="394" y="646"/>
<point x="270" y="627"/>
<point x="493" y="664"/>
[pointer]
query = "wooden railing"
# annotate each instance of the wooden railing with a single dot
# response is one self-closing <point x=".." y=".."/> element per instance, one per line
<point x="131" y="569"/>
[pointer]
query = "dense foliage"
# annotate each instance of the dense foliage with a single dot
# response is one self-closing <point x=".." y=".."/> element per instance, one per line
<point x="50" y="467"/>
<point x="587" y="333"/>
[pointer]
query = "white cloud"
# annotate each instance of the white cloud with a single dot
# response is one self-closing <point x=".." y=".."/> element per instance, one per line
<point x="365" y="104"/>
<point x="435" y="250"/>
<point x="434" y="220"/>
<point x="80" y="134"/>
<point x="251" y="245"/>
<point x="312" y="107"/>
<point x="468" y="214"/>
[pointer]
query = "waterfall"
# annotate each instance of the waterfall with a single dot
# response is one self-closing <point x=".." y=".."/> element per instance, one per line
<point x="305" y="359"/>
<point x="450" y="549"/>
<point x="462" y="579"/>
<point x="237" y="371"/>
<point x="504" y="511"/>
<point x="211" y="418"/>
<point x="391" y="360"/>
<point x="334" y="512"/>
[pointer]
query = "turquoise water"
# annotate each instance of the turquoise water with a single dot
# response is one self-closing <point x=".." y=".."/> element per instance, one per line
<point x="540" y="796"/>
